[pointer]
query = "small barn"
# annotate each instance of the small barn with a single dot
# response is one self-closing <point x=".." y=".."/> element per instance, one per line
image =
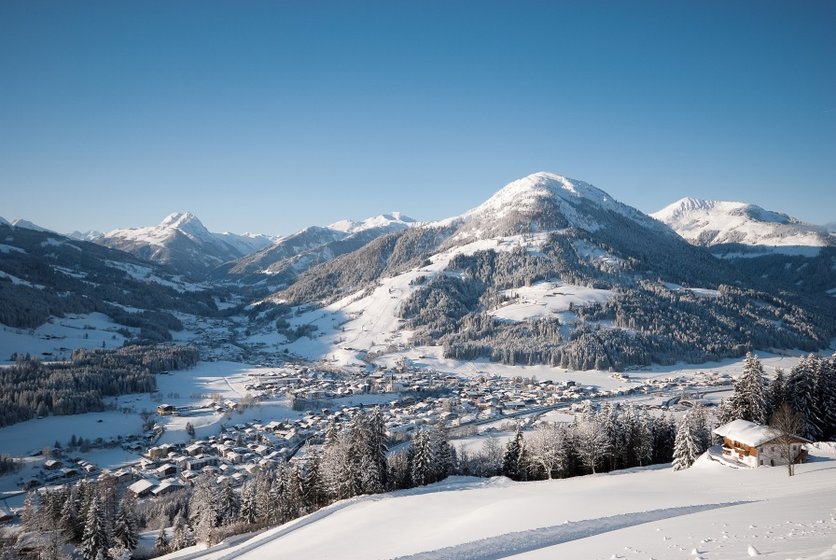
<point x="755" y="445"/>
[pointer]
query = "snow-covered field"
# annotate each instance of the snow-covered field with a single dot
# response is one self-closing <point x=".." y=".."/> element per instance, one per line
<point x="546" y="299"/>
<point x="57" y="338"/>
<point x="708" y="511"/>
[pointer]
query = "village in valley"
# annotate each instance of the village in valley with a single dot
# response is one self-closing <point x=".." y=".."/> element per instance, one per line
<point x="318" y="397"/>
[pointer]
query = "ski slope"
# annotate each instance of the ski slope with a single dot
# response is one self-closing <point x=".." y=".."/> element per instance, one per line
<point x="708" y="511"/>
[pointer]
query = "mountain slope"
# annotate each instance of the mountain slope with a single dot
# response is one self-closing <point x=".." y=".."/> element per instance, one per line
<point x="549" y="270"/>
<point x="45" y="275"/>
<point x="717" y="511"/>
<point x="184" y="243"/>
<point x="281" y="263"/>
<point x="762" y="244"/>
<point x="713" y="222"/>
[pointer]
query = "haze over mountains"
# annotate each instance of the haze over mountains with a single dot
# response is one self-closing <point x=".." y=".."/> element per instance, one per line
<point x="547" y="270"/>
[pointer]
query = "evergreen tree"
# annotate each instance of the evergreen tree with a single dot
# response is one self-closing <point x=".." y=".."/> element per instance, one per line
<point x="826" y="389"/>
<point x="203" y="511"/>
<point x="182" y="536"/>
<point x="422" y="459"/>
<point x="228" y="504"/>
<point x="442" y="452"/>
<point x="29" y="516"/>
<point x="161" y="542"/>
<point x="94" y="542"/>
<point x="513" y="465"/>
<point x="69" y="522"/>
<point x="802" y="396"/>
<point x="685" y="449"/>
<point x="313" y="495"/>
<point x="125" y="531"/>
<point x="749" y="401"/>
<point x="249" y="504"/>
<point x="698" y="421"/>
<point x="777" y="391"/>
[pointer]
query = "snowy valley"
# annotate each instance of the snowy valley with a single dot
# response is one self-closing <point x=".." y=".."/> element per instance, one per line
<point x="516" y="381"/>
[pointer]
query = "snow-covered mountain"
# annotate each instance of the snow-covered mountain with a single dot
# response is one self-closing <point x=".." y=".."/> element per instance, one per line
<point x="88" y="235"/>
<point x="183" y="242"/>
<point x="21" y="223"/>
<point x="714" y="222"/>
<point x="286" y="258"/>
<point x="546" y="202"/>
<point x="45" y="275"/>
<point x="548" y="270"/>
<point x="393" y="222"/>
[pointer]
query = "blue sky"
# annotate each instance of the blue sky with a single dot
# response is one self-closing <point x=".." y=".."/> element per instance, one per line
<point x="270" y="116"/>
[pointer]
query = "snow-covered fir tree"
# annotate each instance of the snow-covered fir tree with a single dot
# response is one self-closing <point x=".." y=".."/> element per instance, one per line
<point x="161" y="542"/>
<point x="513" y="461"/>
<point x="95" y="541"/>
<point x="802" y="396"/>
<point x="203" y="512"/>
<point x="749" y="401"/>
<point x="248" y="512"/>
<point x="422" y="464"/>
<point x="182" y="535"/>
<point x="125" y="524"/>
<point x="228" y="504"/>
<point x="686" y="448"/>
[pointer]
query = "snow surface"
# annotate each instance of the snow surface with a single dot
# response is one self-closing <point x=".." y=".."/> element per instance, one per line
<point x="653" y="512"/>
<point x="746" y="432"/>
<point x="546" y="299"/>
<point x="713" y="222"/>
<point x="59" y="336"/>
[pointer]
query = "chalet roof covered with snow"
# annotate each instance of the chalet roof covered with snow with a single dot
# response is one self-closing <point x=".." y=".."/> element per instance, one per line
<point x="143" y="485"/>
<point x="747" y="433"/>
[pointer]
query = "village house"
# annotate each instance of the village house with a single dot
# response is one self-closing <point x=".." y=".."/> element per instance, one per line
<point x="166" y="410"/>
<point x="143" y="487"/>
<point x="755" y="445"/>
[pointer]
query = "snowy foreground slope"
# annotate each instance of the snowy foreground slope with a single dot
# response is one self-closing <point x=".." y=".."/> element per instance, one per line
<point x="708" y="511"/>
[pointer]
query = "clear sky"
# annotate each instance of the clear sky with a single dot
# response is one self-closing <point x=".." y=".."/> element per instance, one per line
<point x="270" y="116"/>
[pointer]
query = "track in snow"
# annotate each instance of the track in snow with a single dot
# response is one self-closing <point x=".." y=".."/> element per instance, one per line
<point x="502" y="546"/>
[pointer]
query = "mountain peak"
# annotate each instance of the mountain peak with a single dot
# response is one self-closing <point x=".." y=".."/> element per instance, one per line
<point x="715" y="222"/>
<point x="546" y="201"/>
<point x="180" y="219"/>
<point x="26" y="224"/>
<point x="392" y="220"/>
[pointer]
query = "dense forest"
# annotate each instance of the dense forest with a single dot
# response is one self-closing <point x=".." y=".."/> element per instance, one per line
<point x="648" y="321"/>
<point x="30" y="388"/>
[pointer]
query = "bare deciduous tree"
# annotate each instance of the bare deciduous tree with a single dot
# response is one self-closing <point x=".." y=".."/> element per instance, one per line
<point x="546" y="448"/>
<point x="788" y="424"/>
